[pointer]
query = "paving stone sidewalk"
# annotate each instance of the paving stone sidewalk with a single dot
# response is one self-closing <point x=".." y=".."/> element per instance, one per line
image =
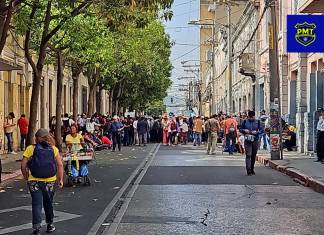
<point x="10" y="165"/>
<point x="299" y="166"/>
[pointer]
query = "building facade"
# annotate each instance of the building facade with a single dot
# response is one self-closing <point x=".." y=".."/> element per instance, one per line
<point x="16" y="87"/>
<point x="301" y="74"/>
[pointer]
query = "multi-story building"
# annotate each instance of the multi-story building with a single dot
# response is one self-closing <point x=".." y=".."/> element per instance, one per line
<point x="16" y="86"/>
<point x="213" y="21"/>
<point x="206" y="50"/>
<point x="301" y="74"/>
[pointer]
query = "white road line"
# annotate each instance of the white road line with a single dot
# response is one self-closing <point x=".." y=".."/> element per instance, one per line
<point x="112" y="229"/>
<point x="59" y="216"/>
<point x="94" y="229"/>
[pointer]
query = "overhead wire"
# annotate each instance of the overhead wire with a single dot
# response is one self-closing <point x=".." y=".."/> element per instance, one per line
<point x="254" y="32"/>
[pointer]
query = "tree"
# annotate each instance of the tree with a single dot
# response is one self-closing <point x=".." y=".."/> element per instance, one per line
<point x="156" y="108"/>
<point x="39" y="22"/>
<point x="145" y="67"/>
<point x="7" y="10"/>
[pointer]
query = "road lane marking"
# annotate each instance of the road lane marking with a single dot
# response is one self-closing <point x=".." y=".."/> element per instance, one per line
<point x="96" y="226"/>
<point x="59" y="216"/>
<point x="112" y="229"/>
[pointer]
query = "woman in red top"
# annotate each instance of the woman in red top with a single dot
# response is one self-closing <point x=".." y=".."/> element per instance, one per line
<point x="23" y="127"/>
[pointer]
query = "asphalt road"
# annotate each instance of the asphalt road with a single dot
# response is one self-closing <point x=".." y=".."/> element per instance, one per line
<point x="177" y="190"/>
<point x="82" y="205"/>
<point x="185" y="191"/>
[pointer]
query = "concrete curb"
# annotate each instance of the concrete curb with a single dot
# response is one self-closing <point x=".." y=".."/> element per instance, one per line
<point x="6" y="177"/>
<point x="299" y="176"/>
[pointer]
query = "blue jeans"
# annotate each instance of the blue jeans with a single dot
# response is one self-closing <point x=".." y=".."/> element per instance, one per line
<point x="10" y="142"/>
<point x="230" y="143"/>
<point x="265" y="141"/>
<point x="126" y="138"/>
<point x="23" y="138"/>
<point x="197" y="139"/>
<point x="42" y="195"/>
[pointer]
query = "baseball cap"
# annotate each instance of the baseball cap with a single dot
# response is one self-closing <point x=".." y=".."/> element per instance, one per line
<point x="42" y="132"/>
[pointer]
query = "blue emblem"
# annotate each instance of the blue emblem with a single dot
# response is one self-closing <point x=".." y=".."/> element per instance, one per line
<point x="305" y="33"/>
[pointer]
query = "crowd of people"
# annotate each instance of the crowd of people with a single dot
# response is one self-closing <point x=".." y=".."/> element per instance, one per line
<point x="42" y="166"/>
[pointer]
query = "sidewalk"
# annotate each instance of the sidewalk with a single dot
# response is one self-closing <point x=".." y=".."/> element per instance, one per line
<point x="301" y="167"/>
<point x="10" y="166"/>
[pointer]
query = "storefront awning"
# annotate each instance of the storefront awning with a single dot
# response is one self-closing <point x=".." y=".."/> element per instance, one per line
<point x="7" y="66"/>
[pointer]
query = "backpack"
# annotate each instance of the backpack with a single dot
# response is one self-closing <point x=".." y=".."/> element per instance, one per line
<point x="42" y="164"/>
<point x="207" y="126"/>
<point x="173" y="126"/>
<point x="232" y="128"/>
<point x="66" y="126"/>
<point x="244" y="122"/>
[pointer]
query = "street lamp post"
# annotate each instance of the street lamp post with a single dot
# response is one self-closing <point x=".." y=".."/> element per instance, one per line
<point x="213" y="88"/>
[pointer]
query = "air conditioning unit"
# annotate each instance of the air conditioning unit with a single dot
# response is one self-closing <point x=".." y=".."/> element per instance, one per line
<point x="246" y="64"/>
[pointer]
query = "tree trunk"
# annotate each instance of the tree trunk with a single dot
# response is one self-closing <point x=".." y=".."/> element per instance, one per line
<point x="6" y="13"/>
<point x="90" y="100"/>
<point x="33" y="108"/>
<point x="110" y="102"/>
<point x="76" y="71"/>
<point x="100" y="103"/>
<point x="59" y="87"/>
<point x="92" y="92"/>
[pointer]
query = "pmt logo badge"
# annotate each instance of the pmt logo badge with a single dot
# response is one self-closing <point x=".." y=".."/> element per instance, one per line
<point x="305" y="33"/>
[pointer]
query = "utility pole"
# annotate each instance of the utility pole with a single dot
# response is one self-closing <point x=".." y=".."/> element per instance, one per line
<point x="229" y="68"/>
<point x="213" y="89"/>
<point x="275" y="116"/>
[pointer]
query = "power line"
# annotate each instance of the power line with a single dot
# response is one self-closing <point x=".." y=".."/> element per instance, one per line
<point x="186" y="53"/>
<point x="254" y="32"/>
<point x="186" y="44"/>
<point x="184" y="3"/>
<point x="185" y="13"/>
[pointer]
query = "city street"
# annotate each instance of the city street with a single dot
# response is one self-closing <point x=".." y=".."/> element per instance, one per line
<point x="174" y="190"/>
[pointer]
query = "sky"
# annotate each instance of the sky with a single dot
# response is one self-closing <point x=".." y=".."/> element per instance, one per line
<point x="186" y="39"/>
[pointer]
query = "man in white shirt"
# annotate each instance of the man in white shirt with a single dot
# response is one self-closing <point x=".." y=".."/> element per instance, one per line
<point x="320" y="137"/>
<point x="135" y="131"/>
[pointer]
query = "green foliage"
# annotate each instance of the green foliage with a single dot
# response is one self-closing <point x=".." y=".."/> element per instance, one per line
<point x="155" y="108"/>
<point x="146" y="66"/>
<point x="123" y="39"/>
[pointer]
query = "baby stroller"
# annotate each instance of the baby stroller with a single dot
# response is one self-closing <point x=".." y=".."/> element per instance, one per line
<point x="76" y="168"/>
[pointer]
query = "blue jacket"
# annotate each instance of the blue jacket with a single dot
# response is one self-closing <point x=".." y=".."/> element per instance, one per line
<point x="254" y="125"/>
<point x="142" y="127"/>
<point x="115" y="126"/>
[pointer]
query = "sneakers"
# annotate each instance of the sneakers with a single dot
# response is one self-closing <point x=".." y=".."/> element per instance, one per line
<point x="13" y="152"/>
<point x="50" y="228"/>
<point x="36" y="232"/>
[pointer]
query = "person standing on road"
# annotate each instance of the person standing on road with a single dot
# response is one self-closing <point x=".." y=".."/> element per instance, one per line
<point x="164" y="123"/>
<point x="116" y="129"/>
<point x="172" y="130"/>
<point x="142" y="129"/>
<point x="23" y="127"/>
<point x="212" y="127"/>
<point x="184" y="131"/>
<point x="263" y="119"/>
<point x="320" y="137"/>
<point x="136" y="142"/>
<point x="252" y="129"/>
<point x="42" y="166"/>
<point x="9" y="127"/>
<point x="197" y="129"/>
<point x="230" y="134"/>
